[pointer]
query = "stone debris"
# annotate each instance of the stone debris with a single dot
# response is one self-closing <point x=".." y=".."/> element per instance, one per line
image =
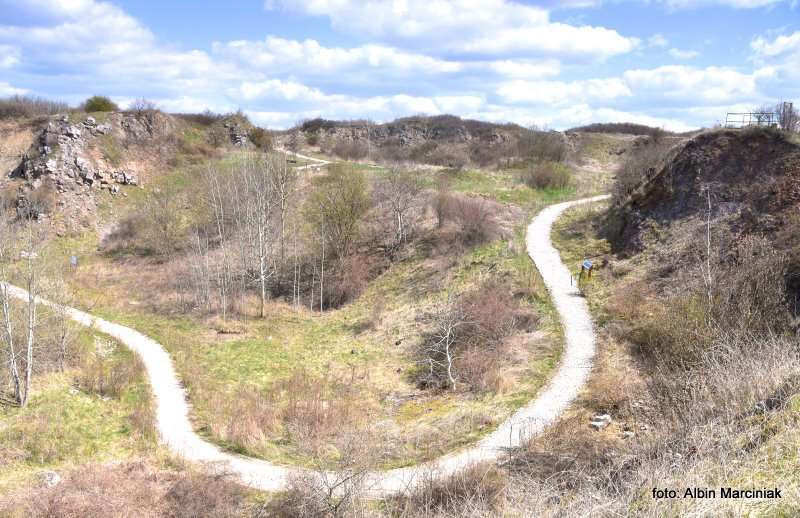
<point x="600" y="421"/>
<point x="49" y="478"/>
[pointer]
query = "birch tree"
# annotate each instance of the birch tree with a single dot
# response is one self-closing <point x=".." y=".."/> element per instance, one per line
<point x="441" y="349"/>
<point x="398" y="192"/>
<point x="25" y="259"/>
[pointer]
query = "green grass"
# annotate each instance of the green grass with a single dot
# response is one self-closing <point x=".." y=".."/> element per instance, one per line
<point x="62" y="427"/>
<point x="505" y="187"/>
<point x="339" y="342"/>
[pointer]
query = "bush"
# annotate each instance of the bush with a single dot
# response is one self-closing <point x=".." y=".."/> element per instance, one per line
<point x="547" y="175"/>
<point x="141" y="107"/>
<point x="206" y="118"/>
<point x="473" y="491"/>
<point x="314" y="125"/>
<point x="130" y="489"/>
<point x="261" y="138"/>
<point x="645" y="159"/>
<point x="472" y="326"/>
<point x="627" y="128"/>
<point x="350" y="150"/>
<point x="538" y="146"/>
<point x="40" y="200"/>
<point x="19" y="106"/>
<point x="475" y="218"/>
<point x="99" y="103"/>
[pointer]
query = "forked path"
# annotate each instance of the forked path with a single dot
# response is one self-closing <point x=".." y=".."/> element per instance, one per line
<point x="177" y="434"/>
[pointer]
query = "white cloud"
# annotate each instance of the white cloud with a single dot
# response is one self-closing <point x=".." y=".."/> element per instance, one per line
<point x="780" y="46"/>
<point x="472" y="26"/>
<point x="559" y="92"/>
<point x="113" y="51"/>
<point x="7" y="90"/>
<point x="9" y="56"/>
<point x="737" y="4"/>
<point x="683" y="54"/>
<point x="523" y="69"/>
<point x="711" y="84"/>
<point x="274" y="53"/>
<point x="657" y="40"/>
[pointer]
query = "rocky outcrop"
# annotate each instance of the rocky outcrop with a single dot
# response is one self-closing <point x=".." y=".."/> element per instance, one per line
<point x="410" y="131"/>
<point x="63" y="158"/>
<point x="73" y="159"/>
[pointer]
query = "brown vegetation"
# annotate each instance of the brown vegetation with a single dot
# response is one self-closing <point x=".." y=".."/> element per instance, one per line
<point x="19" y="106"/>
<point x="131" y="489"/>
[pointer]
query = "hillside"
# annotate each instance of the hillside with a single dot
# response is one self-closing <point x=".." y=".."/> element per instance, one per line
<point x="698" y="285"/>
<point x="742" y="183"/>
<point x="66" y="167"/>
<point x="444" y="140"/>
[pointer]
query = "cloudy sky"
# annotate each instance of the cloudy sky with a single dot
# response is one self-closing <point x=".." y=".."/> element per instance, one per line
<point x="678" y="64"/>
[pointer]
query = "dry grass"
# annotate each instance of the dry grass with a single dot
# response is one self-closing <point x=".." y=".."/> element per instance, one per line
<point x="130" y="489"/>
<point x="547" y="175"/>
<point x="473" y="492"/>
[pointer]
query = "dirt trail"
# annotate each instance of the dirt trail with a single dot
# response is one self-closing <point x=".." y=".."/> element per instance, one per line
<point x="172" y="408"/>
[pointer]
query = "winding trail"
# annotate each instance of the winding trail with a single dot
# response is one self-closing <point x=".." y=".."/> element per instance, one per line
<point x="318" y="162"/>
<point x="172" y="408"/>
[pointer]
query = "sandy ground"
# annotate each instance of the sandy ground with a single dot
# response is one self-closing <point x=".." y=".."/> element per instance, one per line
<point x="172" y="408"/>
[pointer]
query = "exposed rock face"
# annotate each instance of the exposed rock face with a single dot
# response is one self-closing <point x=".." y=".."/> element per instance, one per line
<point x="70" y="162"/>
<point x="414" y="131"/>
<point x="62" y="157"/>
<point x="238" y="133"/>
<point x="753" y="176"/>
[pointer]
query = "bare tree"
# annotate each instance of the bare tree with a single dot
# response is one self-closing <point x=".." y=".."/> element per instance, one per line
<point x="260" y="201"/>
<point x="399" y="192"/>
<point x="441" y="349"/>
<point x="284" y="182"/>
<point x="219" y="211"/>
<point x="27" y="264"/>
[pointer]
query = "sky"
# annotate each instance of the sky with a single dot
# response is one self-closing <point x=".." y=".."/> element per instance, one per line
<point x="676" y="64"/>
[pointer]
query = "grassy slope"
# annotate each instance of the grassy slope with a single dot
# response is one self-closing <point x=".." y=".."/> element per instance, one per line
<point x="63" y="427"/>
<point x="773" y="463"/>
<point x="340" y="343"/>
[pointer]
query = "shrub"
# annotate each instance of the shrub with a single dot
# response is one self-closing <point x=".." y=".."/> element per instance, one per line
<point x="628" y="128"/>
<point x="218" y="135"/>
<point x="645" y="159"/>
<point x="99" y="103"/>
<point x="130" y="489"/>
<point x="350" y="150"/>
<point x="110" y="378"/>
<point x="206" y="118"/>
<point x="141" y="107"/>
<point x="474" y="491"/>
<point x="540" y="146"/>
<point x="25" y="106"/>
<point x="261" y="138"/>
<point x="40" y="200"/>
<point x="475" y="218"/>
<point x="314" y="125"/>
<point x="547" y="175"/>
<point x="467" y="335"/>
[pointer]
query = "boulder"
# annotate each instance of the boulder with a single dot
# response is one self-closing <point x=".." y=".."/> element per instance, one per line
<point x="73" y="132"/>
<point x="600" y="421"/>
<point x="49" y="478"/>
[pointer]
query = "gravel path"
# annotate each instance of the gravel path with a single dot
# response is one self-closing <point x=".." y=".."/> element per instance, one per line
<point x="172" y="408"/>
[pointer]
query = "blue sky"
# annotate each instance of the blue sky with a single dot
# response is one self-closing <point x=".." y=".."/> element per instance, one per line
<point x="678" y="64"/>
